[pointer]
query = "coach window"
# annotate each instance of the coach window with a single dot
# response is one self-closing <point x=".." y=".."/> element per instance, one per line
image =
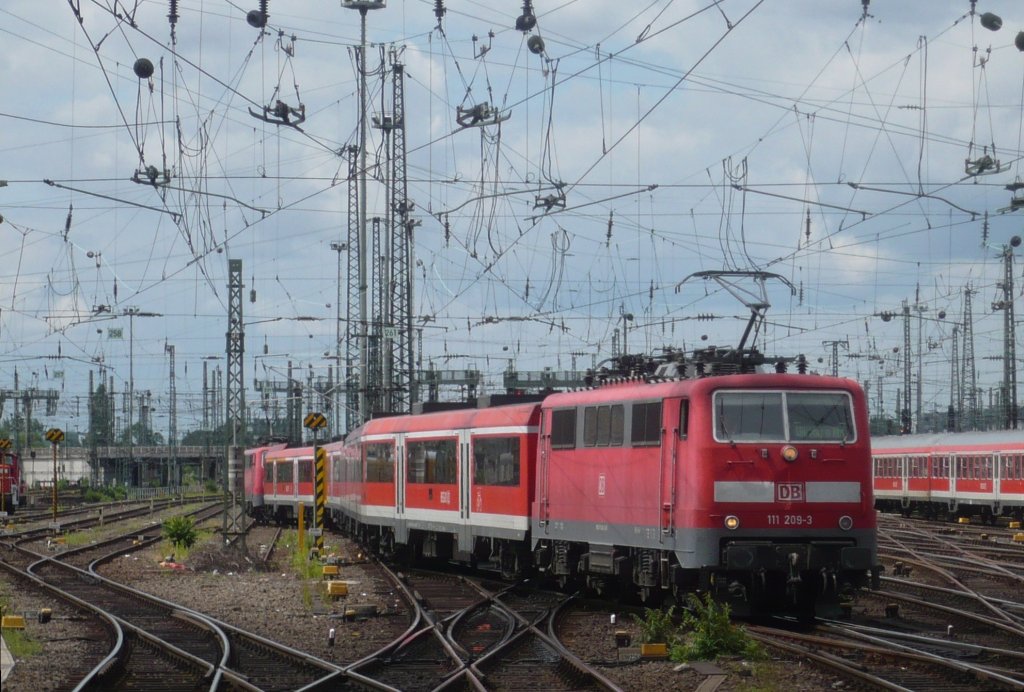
<point x="496" y="461"/>
<point x="563" y="428"/>
<point x="305" y="470"/>
<point x="431" y="461"/>
<point x="284" y="472"/>
<point x="380" y="467"/>
<point x="268" y="472"/>
<point x="646" y="425"/>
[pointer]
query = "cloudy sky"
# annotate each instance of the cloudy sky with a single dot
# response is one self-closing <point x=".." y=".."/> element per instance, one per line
<point x="832" y="144"/>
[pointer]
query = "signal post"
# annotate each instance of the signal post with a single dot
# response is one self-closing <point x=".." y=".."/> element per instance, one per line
<point x="54" y="436"/>
<point x="316" y="422"/>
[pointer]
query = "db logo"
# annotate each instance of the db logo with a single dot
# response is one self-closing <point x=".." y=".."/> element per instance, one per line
<point x="789" y="492"/>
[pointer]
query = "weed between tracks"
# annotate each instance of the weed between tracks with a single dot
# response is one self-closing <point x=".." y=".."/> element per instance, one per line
<point x="704" y="632"/>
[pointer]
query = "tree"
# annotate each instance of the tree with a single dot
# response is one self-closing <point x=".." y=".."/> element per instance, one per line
<point x="142" y="435"/>
<point x="14" y="428"/>
<point x="101" y="424"/>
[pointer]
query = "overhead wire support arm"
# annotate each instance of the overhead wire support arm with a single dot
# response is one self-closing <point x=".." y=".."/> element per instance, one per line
<point x="282" y="114"/>
<point x="480" y="115"/>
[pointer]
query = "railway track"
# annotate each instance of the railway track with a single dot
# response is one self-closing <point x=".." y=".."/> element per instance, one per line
<point x="881" y="663"/>
<point x="468" y="635"/>
<point x="194" y="651"/>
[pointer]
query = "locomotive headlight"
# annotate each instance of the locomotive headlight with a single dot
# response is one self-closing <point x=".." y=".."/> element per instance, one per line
<point x="732" y="522"/>
<point x="846" y="522"/>
<point x="789" y="453"/>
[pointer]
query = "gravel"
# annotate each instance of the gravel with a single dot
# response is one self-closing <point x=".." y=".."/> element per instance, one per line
<point x="239" y="589"/>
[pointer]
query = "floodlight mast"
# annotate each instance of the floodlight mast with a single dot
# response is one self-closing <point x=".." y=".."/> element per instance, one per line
<point x="363" y="248"/>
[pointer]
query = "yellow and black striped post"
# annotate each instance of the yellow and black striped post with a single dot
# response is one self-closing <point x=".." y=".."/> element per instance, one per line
<point x="316" y="421"/>
<point x="319" y="494"/>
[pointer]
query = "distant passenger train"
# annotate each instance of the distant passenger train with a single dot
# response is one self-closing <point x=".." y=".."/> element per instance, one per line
<point x="756" y="487"/>
<point x="964" y="474"/>
<point x="12" y="483"/>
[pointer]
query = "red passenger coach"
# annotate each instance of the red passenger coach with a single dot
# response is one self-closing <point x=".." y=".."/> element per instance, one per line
<point x="453" y="484"/>
<point x="961" y="474"/>
<point x="756" y="487"/>
<point x="287" y="481"/>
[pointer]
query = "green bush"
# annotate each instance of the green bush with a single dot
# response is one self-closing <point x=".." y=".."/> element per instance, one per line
<point x="711" y="634"/>
<point x="657" y="625"/>
<point x="181" y="532"/>
<point x="211" y="487"/>
<point x="104" y="494"/>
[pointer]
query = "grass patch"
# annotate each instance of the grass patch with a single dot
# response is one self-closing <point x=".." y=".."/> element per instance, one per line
<point x="20" y="644"/>
<point x="300" y="561"/>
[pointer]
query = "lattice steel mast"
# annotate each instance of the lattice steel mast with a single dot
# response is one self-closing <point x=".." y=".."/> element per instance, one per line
<point x="235" y="404"/>
<point x="969" y="373"/>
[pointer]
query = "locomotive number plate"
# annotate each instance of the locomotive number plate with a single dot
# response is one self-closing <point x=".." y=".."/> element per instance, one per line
<point x="790" y="520"/>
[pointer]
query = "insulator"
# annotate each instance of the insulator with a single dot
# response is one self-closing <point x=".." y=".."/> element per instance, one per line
<point x="256" y="19"/>
<point x="536" y="44"/>
<point x="172" y="16"/>
<point x="439" y="9"/>
<point x="527" y="20"/>
<point x="143" y="68"/>
<point x="991" y="21"/>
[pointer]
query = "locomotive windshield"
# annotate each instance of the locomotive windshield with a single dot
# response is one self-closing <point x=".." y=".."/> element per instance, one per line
<point x="783" y="417"/>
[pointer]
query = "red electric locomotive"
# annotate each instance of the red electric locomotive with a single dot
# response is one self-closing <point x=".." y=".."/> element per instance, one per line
<point x="12" y="483"/>
<point x="756" y="487"/>
<point x="959" y="474"/>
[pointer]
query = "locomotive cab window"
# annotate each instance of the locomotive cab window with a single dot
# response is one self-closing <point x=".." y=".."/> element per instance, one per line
<point x="496" y="461"/>
<point x="825" y="416"/>
<point x="783" y="416"/>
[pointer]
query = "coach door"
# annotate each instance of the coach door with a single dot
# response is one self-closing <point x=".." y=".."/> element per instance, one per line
<point x="465" y="481"/>
<point x="400" y="475"/>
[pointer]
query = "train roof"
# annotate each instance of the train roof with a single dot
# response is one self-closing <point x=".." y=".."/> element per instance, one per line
<point x="640" y="389"/>
<point x="994" y="440"/>
<point x="492" y="417"/>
